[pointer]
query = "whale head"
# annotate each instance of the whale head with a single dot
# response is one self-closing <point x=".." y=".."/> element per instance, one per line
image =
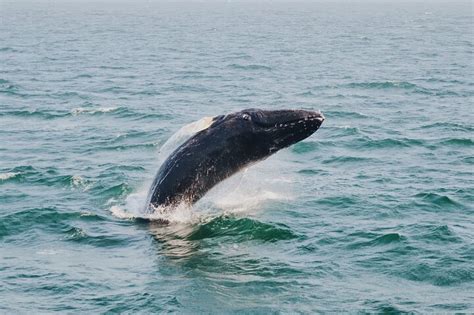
<point x="261" y="133"/>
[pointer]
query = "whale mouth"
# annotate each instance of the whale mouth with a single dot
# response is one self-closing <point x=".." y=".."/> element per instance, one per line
<point x="290" y="127"/>
<point x="317" y="118"/>
<point x="287" y="118"/>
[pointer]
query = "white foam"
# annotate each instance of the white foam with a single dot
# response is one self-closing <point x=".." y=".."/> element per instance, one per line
<point x="121" y="213"/>
<point x="79" y="182"/>
<point x="179" y="214"/>
<point x="84" y="110"/>
<point x="5" y="176"/>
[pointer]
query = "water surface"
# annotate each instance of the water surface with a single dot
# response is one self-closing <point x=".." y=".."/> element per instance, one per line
<point x="371" y="213"/>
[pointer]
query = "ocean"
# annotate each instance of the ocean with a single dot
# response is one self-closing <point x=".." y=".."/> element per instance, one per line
<point x="372" y="213"/>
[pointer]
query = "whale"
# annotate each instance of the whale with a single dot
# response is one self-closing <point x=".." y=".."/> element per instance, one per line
<point x="229" y="144"/>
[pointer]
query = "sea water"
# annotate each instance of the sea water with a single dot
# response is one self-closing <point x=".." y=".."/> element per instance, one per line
<point x="372" y="213"/>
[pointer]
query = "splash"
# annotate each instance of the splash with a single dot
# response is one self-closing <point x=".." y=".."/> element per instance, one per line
<point x="246" y="192"/>
<point x="242" y="194"/>
<point x="182" y="135"/>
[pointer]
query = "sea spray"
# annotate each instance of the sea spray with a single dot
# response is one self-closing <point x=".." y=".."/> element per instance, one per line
<point x="242" y="193"/>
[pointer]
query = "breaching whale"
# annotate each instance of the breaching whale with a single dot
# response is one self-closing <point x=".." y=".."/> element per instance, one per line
<point x="229" y="144"/>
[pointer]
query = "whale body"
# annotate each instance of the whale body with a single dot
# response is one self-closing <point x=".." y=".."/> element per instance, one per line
<point x="230" y="143"/>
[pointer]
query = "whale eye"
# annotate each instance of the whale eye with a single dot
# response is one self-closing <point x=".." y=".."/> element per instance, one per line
<point x="246" y="116"/>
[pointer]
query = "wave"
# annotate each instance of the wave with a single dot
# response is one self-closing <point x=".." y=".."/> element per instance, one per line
<point x="350" y="159"/>
<point x="82" y="76"/>
<point x="347" y="114"/>
<point x="49" y="114"/>
<point x="8" y="88"/>
<point x="337" y="201"/>
<point x="431" y="80"/>
<point x="37" y="218"/>
<point x="147" y="92"/>
<point x="8" y="49"/>
<point x="45" y="176"/>
<point x="437" y="234"/>
<point x="383" y="307"/>
<point x="390" y="143"/>
<point x="468" y="160"/>
<point x="312" y="172"/>
<point x="111" y="192"/>
<point x="121" y="168"/>
<point x="462" y="142"/>
<point x="120" y="147"/>
<point x="200" y="88"/>
<point x="345" y="131"/>
<point x="305" y="147"/>
<point x="43" y="114"/>
<point x="448" y="126"/>
<point x="438" y="200"/>
<point x="181" y="240"/>
<point x="92" y="111"/>
<point x="387" y="85"/>
<point x="63" y="223"/>
<point x="52" y="114"/>
<point x="111" y="67"/>
<point x="382" y="85"/>
<point x="242" y="229"/>
<point x="251" y="67"/>
<point x="79" y="235"/>
<point x="367" y="143"/>
<point x="399" y="254"/>
<point x="447" y="275"/>
<point x="19" y="173"/>
<point x="5" y="84"/>
<point x="376" y="240"/>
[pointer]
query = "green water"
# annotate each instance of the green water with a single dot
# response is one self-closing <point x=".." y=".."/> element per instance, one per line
<point x="373" y="213"/>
